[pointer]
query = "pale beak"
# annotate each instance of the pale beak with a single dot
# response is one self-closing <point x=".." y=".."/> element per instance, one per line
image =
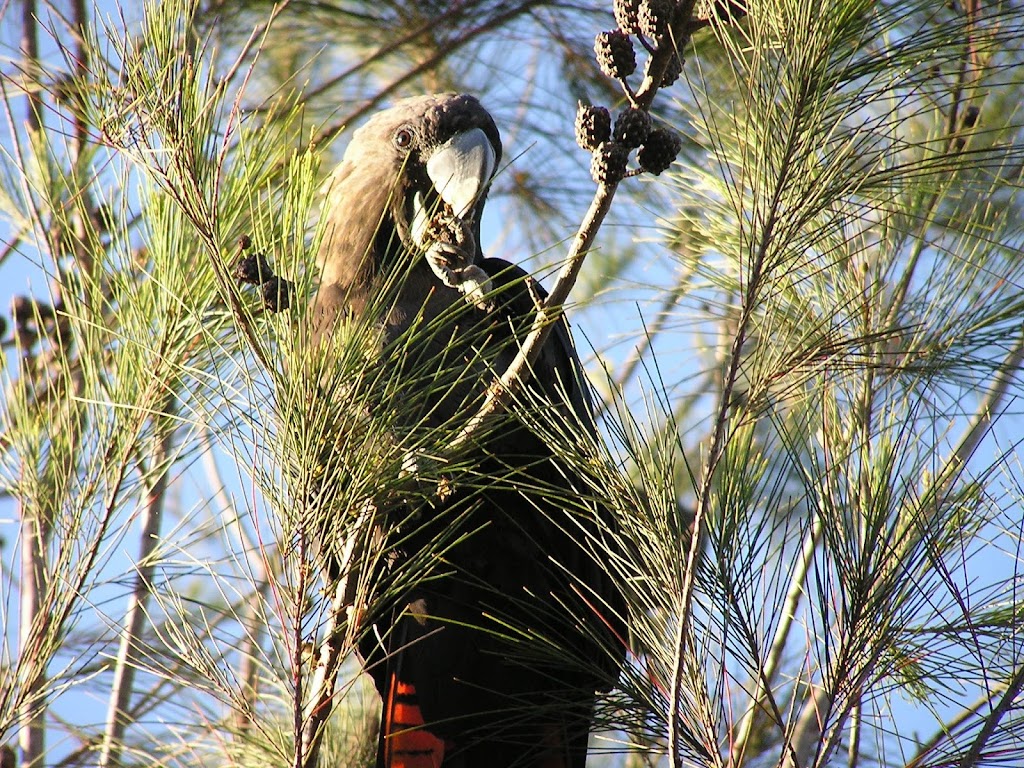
<point x="460" y="170"/>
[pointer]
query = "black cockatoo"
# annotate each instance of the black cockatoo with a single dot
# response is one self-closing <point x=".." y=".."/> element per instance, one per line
<point x="462" y="656"/>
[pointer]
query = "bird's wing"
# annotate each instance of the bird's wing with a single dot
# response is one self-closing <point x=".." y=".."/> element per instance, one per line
<point x="528" y="566"/>
<point x="559" y="382"/>
<point x="558" y="372"/>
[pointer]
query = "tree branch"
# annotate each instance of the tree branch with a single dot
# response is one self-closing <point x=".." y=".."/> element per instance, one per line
<point x="515" y="377"/>
<point x="511" y="383"/>
<point x="122" y="687"/>
<point x="339" y="631"/>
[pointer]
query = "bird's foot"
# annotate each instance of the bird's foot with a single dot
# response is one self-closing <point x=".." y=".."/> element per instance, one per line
<point x="451" y="269"/>
<point x="475" y="285"/>
<point x="449" y="247"/>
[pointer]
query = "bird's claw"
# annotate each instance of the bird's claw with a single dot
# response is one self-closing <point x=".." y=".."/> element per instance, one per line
<point x="449" y="246"/>
<point x="449" y="265"/>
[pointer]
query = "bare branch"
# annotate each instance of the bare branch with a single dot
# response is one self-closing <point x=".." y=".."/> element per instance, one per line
<point x="511" y="383"/>
<point x="122" y="687"/>
<point x="339" y="631"/>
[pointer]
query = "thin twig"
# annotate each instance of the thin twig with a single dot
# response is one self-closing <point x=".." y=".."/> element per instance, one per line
<point x="298" y="652"/>
<point x="339" y="632"/>
<point x="122" y="686"/>
<point x="80" y="18"/>
<point x="948" y="729"/>
<point x="34" y="531"/>
<point x="35" y="527"/>
<point x="991" y="722"/>
<point x="251" y="620"/>
<point x="991" y="405"/>
<point x="30" y="53"/>
<point x="766" y="676"/>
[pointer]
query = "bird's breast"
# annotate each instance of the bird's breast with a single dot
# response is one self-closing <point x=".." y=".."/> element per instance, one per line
<point x="444" y="346"/>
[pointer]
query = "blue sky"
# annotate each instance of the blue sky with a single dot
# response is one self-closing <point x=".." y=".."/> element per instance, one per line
<point x="23" y="274"/>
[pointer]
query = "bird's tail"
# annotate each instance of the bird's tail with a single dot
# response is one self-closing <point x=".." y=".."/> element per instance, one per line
<point x="404" y="743"/>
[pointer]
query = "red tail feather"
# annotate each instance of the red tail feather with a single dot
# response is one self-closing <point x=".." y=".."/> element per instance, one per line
<point x="404" y="743"/>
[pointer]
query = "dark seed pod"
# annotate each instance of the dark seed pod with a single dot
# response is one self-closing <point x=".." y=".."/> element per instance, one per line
<point x="626" y="15"/>
<point x="658" y="151"/>
<point x="631" y="127"/>
<point x="22" y="310"/>
<point x="654" y="17"/>
<point x="252" y="268"/>
<point x="593" y="126"/>
<point x="971" y="115"/>
<point x="673" y="71"/>
<point x="615" y="54"/>
<point x="277" y="294"/>
<point x="608" y="164"/>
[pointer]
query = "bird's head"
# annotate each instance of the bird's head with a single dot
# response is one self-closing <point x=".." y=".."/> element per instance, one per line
<point x="399" y="168"/>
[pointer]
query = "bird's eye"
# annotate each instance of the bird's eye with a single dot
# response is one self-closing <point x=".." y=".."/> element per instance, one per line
<point x="403" y="138"/>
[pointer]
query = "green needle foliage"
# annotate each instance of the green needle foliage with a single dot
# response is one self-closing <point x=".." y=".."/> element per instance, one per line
<point x="808" y="346"/>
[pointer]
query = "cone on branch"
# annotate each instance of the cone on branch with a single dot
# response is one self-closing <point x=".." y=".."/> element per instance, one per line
<point x="615" y="54"/>
<point x="673" y="71"/>
<point x="277" y="294"/>
<point x="627" y="15"/>
<point x="608" y="164"/>
<point x="632" y="126"/>
<point x="593" y="126"/>
<point x="658" y="151"/>
<point x="654" y="17"/>
<point x="251" y="268"/>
